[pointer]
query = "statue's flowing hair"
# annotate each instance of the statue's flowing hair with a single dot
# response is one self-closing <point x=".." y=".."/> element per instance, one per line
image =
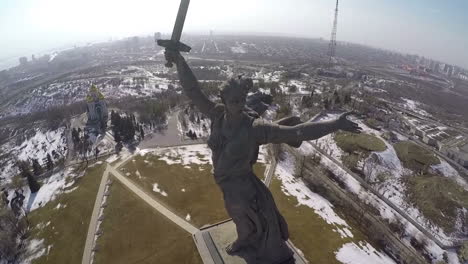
<point x="233" y="85"/>
<point x="236" y="85"/>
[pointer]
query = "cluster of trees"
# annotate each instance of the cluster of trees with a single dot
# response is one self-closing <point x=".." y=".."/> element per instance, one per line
<point x="288" y="75"/>
<point x="207" y="73"/>
<point x="285" y="108"/>
<point x="192" y="135"/>
<point x="13" y="232"/>
<point x="153" y="112"/>
<point x="82" y="143"/>
<point x="336" y="100"/>
<point x="210" y="88"/>
<point x="150" y="111"/>
<point x="194" y="117"/>
<point x="30" y="176"/>
<point x="125" y="127"/>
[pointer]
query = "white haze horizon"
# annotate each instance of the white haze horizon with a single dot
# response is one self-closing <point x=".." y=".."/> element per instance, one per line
<point x="424" y="28"/>
<point x="12" y="60"/>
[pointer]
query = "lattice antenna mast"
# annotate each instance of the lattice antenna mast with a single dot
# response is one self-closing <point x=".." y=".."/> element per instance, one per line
<point x="332" y="45"/>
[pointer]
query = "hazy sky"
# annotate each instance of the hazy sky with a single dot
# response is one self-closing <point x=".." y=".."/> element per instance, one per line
<point x="433" y="28"/>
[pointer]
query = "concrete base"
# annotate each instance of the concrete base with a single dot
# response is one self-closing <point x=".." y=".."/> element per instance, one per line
<point x="211" y="242"/>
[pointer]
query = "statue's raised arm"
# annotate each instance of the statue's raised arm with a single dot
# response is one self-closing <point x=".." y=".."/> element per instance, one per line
<point x="190" y="83"/>
<point x="267" y="132"/>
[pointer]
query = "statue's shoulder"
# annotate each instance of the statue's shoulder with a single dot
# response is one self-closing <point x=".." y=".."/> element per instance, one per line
<point x="217" y="111"/>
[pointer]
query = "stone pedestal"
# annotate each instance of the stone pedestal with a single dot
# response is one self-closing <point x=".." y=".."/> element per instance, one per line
<point x="212" y="240"/>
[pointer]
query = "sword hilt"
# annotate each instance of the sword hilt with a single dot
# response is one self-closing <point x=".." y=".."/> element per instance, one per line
<point x="174" y="46"/>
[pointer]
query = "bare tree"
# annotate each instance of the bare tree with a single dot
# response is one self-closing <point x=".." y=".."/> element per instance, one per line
<point x="13" y="231"/>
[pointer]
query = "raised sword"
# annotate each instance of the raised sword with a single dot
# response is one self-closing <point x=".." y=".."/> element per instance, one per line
<point x="174" y="43"/>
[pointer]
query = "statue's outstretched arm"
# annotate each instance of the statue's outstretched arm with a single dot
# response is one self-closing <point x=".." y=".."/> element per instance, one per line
<point x="190" y="83"/>
<point x="267" y="132"/>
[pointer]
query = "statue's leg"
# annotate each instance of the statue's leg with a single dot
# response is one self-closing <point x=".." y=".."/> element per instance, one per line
<point x="244" y="227"/>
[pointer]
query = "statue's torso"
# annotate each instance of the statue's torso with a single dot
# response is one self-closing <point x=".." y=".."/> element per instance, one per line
<point x="233" y="151"/>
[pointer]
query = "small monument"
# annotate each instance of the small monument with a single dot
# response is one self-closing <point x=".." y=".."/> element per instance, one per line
<point x="96" y="109"/>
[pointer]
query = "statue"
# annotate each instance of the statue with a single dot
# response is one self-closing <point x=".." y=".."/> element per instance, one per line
<point x="234" y="140"/>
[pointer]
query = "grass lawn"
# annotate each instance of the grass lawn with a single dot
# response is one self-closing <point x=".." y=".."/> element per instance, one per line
<point x="133" y="232"/>
<point x="68" y="227"/>
<point x="187" y="190"/>
<point x="357" y="146"/>
<point x="317" y="239"/>
<point x="438" y="198"/>
<point x="414" y="156"/>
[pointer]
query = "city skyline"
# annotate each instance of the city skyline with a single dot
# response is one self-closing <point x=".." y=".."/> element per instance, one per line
<point x="432" y="29"/>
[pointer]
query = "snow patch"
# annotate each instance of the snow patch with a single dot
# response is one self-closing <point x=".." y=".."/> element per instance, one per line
<point x="351" y="253"/>
<point x="445" y="169"/>
<point x="158" y="190"/>
<point x="35" y="250"/>
<point x="292" y="186"/>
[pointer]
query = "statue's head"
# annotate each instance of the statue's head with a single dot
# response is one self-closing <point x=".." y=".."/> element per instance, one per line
<point x="234" y="93"/>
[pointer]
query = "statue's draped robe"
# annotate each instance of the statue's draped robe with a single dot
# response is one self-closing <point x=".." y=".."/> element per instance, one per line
<point x="247" y="200"/>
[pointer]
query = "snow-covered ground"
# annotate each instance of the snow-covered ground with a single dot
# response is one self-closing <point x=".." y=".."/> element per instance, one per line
<point x="385" y="210"/>
<point x="292" y="186"/>
<point x="185" y="155"/>
<point x="50" y="189"/>
<point x="445" y="169"/>
<point x="36" y="147"/>
<point x="414" y="106"/>
<point x="387" y="166"/>
<point x="349" y="253"/>
<point x="142" y="81"/>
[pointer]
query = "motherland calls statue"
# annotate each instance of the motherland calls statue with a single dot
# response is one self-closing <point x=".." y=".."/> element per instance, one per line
<point x="234" y="141"/>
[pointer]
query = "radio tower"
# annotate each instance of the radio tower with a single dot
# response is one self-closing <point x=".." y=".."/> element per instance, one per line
<point x="332" y="45"/>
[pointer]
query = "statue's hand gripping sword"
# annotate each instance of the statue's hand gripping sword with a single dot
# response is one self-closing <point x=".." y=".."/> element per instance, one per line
<point x="174" y="43"/>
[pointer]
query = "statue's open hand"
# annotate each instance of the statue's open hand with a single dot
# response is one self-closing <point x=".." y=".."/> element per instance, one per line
<point x="172" y="56"/>
<point x="348" y="125"/>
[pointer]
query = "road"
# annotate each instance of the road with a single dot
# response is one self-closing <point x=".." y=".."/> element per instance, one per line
<point x="272" y="168"/>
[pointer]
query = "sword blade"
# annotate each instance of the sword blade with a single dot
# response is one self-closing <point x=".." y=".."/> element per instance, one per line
<point x="180" y="20"/>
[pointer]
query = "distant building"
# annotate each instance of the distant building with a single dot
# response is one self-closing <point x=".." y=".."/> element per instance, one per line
<point x="23" y="61"/>
<point x="463" y="76"/>
<point x="96" y="110"/>
<point x="450" y="71"/>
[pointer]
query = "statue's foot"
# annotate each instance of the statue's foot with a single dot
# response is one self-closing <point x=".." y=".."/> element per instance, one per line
<point x="234" y="247"/>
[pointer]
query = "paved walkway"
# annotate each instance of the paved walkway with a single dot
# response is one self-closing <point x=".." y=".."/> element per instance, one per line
<point x="182" y="223"/>
<point x="87" y="253"/>
<point x="153" y="203"/>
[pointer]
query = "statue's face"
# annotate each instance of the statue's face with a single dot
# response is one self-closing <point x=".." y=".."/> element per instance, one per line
<point x="234" y="102"/>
